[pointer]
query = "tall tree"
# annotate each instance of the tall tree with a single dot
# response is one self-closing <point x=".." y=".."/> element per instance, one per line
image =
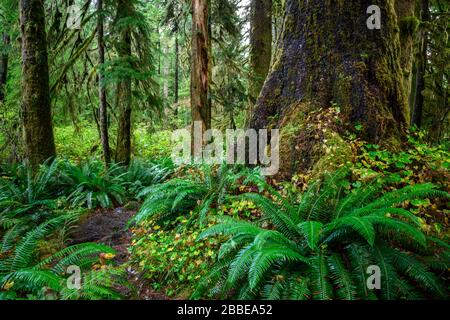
<point x="4" y="57"/>
<point x="408" y="24"/>
<point x="123" y="90"/>
<point x="200" y="107"/>
<point x="103" y="113"/>
<point x="166" y="67"/>
<point x="329" y="56"/>
<point x="176" y="84"/>
<point x="421" y="64"/>
<point x="36" y="107"/>
<point x="260" y="47"/>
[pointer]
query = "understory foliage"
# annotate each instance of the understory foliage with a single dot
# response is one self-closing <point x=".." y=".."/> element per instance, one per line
<point x="320" y="245"/>
<point x="169" y="257"/>
<point x="200" y="192"/>
<point x="38" y="211"/>
<point x="23" y="272"/>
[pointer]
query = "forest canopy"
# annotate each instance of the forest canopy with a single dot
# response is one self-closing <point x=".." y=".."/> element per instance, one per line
<point x="224" y="149"/>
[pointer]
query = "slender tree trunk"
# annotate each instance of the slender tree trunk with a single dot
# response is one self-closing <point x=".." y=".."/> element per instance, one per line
<point x="328" y="57"/>
<point x="421" y="65"/>
<point x="408" y="24"/>
<point x="176" y="85"/>
<point x="36" y="107"/>
<point x="211" y="58"/>
<point x="159" y="53"/>
<point x="103" y="113"/>
<point x="166" y="73"/>
<point x="124" y="94"/>
<point x="439" y="111"/>
<point x="200" y="64"/>
<point x="4" y="68"/>
<point x="260" y="48"/>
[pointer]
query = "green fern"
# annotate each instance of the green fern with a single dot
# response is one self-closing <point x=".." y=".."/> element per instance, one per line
<point x="310" y="254"/>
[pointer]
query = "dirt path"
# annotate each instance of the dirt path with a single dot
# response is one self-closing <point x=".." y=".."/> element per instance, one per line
<point x="109" y="227"/>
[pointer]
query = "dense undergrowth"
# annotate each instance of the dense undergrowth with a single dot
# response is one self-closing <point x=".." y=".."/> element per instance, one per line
<point x="226" y="232"/>
<point x="303" y="238"/>
<point x="39" y="211"/>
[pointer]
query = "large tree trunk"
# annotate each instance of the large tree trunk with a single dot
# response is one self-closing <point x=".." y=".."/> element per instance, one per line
<point x="103" y="113"/>
<point x="200" y="64"/>
<point x="124" y="94"/>
<point x="3" y="68"/>
<point x="327" y="57"/>
<point x="260" y="47"/>
<point x="421" y="64"/>
<point x="36" y="108"/>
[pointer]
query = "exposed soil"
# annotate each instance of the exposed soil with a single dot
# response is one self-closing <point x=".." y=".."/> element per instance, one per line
<point x="109" y="227"/>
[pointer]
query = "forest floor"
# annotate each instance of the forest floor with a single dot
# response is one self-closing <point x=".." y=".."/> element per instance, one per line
<point x="109" y="227"/>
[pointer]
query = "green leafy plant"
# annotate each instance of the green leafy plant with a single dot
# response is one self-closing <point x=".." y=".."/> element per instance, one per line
<point x="28" y="199"/>
<point x="321" y="246"/>
<point x="204" y="190"/>
<point x="140" y="174"/>
<point x="92" y="185"/>
<point x="169" y="257"/>
<point x="22" y="272"/>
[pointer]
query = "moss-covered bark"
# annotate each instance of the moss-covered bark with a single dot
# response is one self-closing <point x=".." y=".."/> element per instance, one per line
<point x="36" y="108"/>
<point x="260" y="47"/>
<point x="200" y="64"/>
<point x="408" y="23"/>
<point x="421" y="64"/>
<point x="4" y="57"/>
<point x="123" y="90"/>
<point x="103" y="114"/>
<point x="328" y="57"/>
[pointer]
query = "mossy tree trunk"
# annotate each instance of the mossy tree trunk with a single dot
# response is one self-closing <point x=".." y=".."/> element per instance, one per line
<point x="327" y="56"/>
<point x="123" y="90"/>
<point x="421" y="64"/>
<point x="103" y="113"/>
<point x="176" y="82"/>
<point x="200" y="64"/>
<point x="4" y="57"/>
<point x="36" y="107"/>
<point x="408" y="23"/>
<point x="260" y="47"/>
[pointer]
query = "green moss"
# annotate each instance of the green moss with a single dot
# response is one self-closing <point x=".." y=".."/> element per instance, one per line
<point x="337" y="153"/>
<point x="409" y="25"/>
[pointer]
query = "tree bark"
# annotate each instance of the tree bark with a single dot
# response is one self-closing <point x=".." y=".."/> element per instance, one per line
<point x="176" y="85"/>
<point x="166" y="73"/>
<point x="36" y="107"/>
<point x="103" y="113"/>
<point x="327" y="57"/>
<point x="4" y="68"/>
<point x="408" y="24"/>
<point x="421" y="65"/>
<point x="124" y="94"/>
<point x="260" y="47"/>
<point x="200" y="107"/>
